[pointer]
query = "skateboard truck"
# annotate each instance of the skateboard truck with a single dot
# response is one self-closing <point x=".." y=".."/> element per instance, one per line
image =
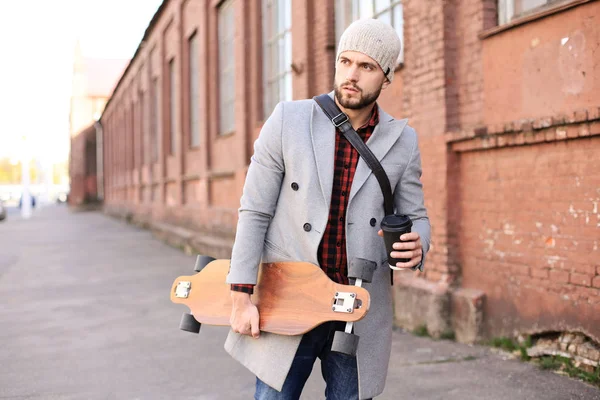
<point x="183" y="290"/>
<point x="346" y="342"/>
<point x="343" y="302"/>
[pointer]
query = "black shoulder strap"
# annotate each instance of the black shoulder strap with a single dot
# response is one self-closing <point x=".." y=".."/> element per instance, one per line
<point x="340" y="120"/>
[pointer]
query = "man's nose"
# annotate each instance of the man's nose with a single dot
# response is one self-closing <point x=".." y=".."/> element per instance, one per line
<point x="352" y="74"/>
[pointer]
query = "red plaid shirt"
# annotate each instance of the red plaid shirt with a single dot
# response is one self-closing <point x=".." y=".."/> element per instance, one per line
<point x="332" y="250"/>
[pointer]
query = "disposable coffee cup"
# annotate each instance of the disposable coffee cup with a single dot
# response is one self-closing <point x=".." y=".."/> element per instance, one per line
<point x="394" y="226"/>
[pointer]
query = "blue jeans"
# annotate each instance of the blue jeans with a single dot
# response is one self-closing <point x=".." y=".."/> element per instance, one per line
<point x="339" y="370"/>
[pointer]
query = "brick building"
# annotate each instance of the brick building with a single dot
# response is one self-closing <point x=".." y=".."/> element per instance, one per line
<point x="93" y="82"/>
<point x="505" y="97"/>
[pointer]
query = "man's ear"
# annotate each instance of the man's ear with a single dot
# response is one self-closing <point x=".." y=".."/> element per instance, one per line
<point x="385" y="84"/>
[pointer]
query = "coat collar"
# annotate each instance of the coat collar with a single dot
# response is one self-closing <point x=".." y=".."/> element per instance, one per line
<point x="386" y="133"/>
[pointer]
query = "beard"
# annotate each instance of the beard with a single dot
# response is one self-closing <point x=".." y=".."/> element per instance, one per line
<point x="365" y="98"/>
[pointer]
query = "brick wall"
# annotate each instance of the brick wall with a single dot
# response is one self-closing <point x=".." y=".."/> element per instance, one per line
<point x="423" y="101"/>
<point x="529" y="234"/>
<point x="528" y="177"/>
<point x="508" y="124"/>
<point x="82" y="167"/>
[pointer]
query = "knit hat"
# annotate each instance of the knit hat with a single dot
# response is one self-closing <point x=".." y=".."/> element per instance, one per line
<point x="375" y="39"/>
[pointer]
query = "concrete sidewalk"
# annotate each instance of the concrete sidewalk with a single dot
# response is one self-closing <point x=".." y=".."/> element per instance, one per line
<point x="86" y="315"/>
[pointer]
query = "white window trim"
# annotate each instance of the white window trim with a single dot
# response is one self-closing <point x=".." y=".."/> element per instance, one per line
<point x="275" y="76"/>
<point x="507" y="10"/>
<point x="226" y="103"/>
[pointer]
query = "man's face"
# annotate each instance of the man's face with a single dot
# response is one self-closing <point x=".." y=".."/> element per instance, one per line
<point x="358" y="80"/>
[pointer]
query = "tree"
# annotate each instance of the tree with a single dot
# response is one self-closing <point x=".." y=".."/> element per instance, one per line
<point x="10" y="173"/>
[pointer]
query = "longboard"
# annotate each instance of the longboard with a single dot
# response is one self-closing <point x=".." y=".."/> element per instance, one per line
<point x="292" y="297"/>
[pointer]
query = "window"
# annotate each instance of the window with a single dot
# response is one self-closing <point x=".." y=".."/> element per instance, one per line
<point x="142" y="126"/>
<point x="226" y="28"/>
<point x="193" y="93"/>
<point x="388" y="11"/>
<point x="155" y="120"/>
<point x="277" y="49"/>
<point x="511" y="9"/>
<point x="172" y="107"/>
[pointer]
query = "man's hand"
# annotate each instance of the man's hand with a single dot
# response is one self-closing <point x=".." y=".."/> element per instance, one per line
<point x="244" y="315"/>
<point x="410" y="248"/>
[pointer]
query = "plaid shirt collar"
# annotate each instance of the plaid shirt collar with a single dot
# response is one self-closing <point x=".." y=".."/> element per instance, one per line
<point x="373" y="119"/>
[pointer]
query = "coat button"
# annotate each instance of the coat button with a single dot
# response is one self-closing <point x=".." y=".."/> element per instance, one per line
<point x="307" y="227"/>
<point x="373" y="221"/>
<point x="294" y="186"/>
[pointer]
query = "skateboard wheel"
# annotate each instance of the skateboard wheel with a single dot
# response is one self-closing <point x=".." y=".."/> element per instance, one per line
<point x="189" y="324"/>
<point x="201" y="262"/>
<point x="345" y="343"/>
<point x="362" y="269"/>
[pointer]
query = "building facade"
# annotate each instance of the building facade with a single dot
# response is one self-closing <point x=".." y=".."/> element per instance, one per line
<point x="93" y="82"/>
<point x="504" y="95"/>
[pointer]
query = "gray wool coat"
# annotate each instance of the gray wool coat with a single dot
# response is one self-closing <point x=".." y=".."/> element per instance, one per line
<point x="278" y="223"/>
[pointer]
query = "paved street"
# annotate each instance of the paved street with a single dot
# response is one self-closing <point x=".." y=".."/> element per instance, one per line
<point x="85" y="314"/>
<point x="12" y="211"/>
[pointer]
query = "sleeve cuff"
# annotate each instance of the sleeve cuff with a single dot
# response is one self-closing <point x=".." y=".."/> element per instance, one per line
<point x="243" y="288"/>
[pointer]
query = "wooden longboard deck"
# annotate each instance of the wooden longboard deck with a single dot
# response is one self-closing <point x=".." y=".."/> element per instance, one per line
<point x="292" y="297"/>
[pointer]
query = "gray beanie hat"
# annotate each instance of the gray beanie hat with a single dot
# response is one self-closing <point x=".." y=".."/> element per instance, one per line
<point x="375" y="39"/>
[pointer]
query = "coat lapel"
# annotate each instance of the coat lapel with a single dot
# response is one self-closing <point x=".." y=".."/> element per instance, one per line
<point x="322" y="134"/>
<point x="386" y="133"/>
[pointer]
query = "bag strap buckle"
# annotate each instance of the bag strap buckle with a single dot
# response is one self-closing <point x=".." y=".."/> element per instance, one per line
<point x="339" y="119"/>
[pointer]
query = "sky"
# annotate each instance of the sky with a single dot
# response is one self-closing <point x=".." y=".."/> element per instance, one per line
<point x="37" y="42"/>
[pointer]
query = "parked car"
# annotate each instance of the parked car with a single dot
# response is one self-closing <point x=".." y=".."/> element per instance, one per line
<point x="2" y="211"/>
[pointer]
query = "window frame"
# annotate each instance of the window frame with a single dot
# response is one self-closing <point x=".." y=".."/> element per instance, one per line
<point x="226" y="71"/>
<point x="507" y="10"/>
<point x="193" y="91"/>
<point x="142" y="125"/>
<point x="155" y="132"/>
<point x="277" y="45"/>
<point x="172" y="135"/>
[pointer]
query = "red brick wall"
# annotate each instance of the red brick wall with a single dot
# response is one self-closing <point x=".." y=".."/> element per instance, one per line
<point x="530" y="234"/>
<point x="82" y="167"/>
<point x="420" y="83"/>
<point x="501" y="118"/>
<point x="77" y="170"/>
<point x="183" y="187"/>
<point x="530" y="73"/>
<point x="526" y="173"/>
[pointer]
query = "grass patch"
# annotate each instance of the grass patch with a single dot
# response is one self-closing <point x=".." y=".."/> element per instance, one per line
<point x="504" y="343"/>
<point x="563" y="364"/>
<point x="421" y="331"/>
<point x="510" y="345"/>
<point x="448" y="335"/>
<point x="550" y="363"/>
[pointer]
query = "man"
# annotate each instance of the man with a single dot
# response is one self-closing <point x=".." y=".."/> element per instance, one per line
<point x="308" y="197"/>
